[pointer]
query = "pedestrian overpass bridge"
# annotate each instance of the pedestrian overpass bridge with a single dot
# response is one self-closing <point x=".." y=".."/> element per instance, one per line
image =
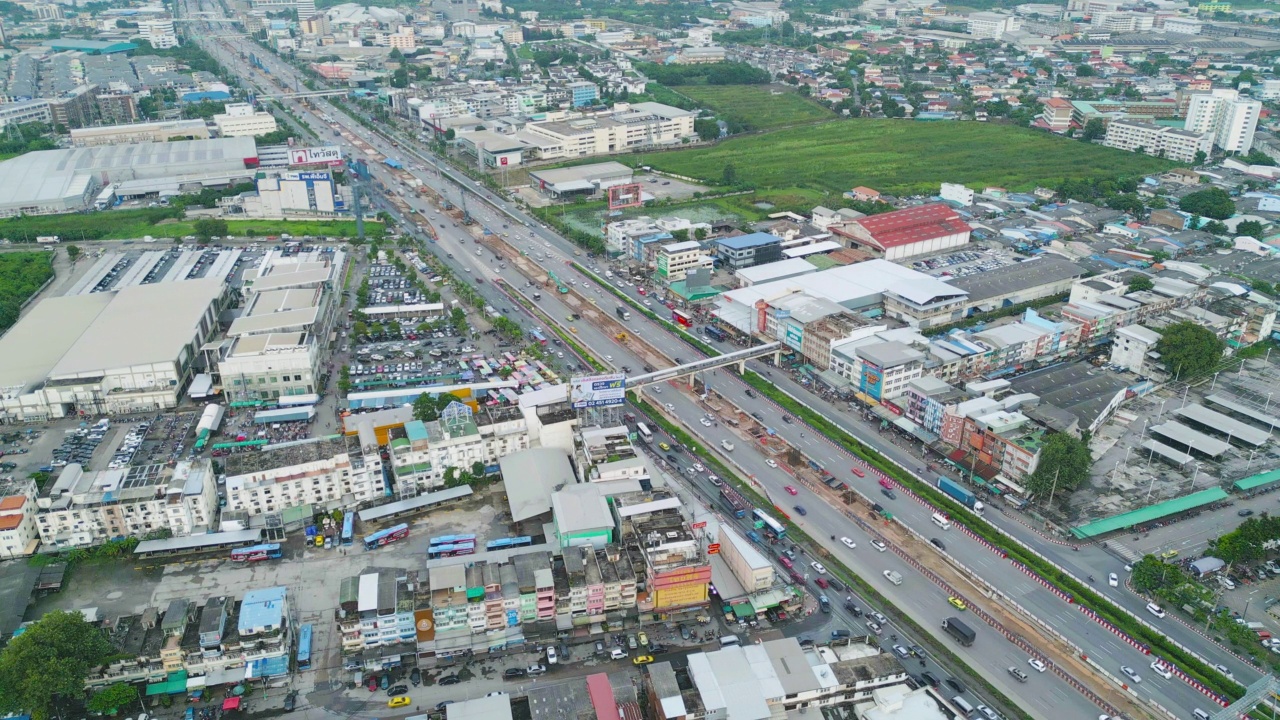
<point x="738" y="357"/>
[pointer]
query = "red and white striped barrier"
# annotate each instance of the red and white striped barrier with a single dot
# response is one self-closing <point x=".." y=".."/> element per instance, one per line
<point x="1115" y="630"/>
<point x="1038" y="578"/>
<point x="1196" y="684"/>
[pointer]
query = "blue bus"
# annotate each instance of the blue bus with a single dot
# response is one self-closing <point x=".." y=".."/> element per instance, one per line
<point x="512" y="542"/>
<point x="715" y="333"/>
<point x="455" y="550"/>
<point x="386" y="537"/>
<point x="348" y="529"/>
<point x="773" y="527"/>
<point x="270" y="551"/>
<point x="304" y="647"/>
<point x="450" y="540"/>
<point x="538" y="336"/>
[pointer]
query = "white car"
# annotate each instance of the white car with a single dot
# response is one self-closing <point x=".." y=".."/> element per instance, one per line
<point x="670" y="407"/>
<point x="818" y="567"/>
<point x="1161" y="669"/>
<point x="848" y="543"/>
<point x="1133" y="674"/>
<point x="1155" y="609"/>
<point x="705" y="422"/>
<point x="698" y="467"/>
<point x="1113" y="580"/>
<point x="879" y="545"/>
<point x="771" y="463"/>
<point x="609" y="358"/>
<point x="1037" y="663"/>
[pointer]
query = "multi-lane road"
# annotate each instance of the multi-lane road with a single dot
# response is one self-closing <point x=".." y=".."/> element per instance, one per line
<point x="1044" y="694"/>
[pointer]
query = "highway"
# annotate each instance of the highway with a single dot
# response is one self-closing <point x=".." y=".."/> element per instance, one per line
<point x="917" y="596"/>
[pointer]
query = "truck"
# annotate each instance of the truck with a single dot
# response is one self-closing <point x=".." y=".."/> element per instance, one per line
<point x="734" y="501"/>
<point x="960" y="494"/>
<point x="728" y="446"/>
<point x="623" y="313"/>
<point x="893" y="576"/>
<point x="958" y="630"/>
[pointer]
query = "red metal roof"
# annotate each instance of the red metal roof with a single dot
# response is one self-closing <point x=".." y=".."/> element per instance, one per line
<point x="912" y="225"/>
<point x="602" y="700"/>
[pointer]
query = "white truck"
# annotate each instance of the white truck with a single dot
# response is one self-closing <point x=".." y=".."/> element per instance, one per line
<point x="728" y="446"/>
<point x="893" y="576"/>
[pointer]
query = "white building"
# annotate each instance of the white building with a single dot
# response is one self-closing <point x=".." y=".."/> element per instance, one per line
<point x="1158" y="140"/>
<point x="18" y="533"/>
<point x="240" y="120"/>
<point x="628" y="127"/>
<point x="90" y="508"/>
<point x="459" y="439"/>
<point x="879" y="369"/>
<point x="1183" y="25"/>
<point x="674" y="261"/>
<point x="328" y="473"/>
<point x="992" y="25"/>
<point x="159" y="32"/>
<point x="1134" y="348"/>
<point x="1228" y="118"/>
<point x="1269" y="90"/>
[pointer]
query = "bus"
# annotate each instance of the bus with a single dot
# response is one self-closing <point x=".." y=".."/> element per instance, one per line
<point x="769" y="524"/>
<point x="270" y="551"/>
<point x="716" y="333"/>
<point x="348" y="529"/>
<point x="455" y="550"/>
<point x="682" y="319"/>
<point x="538" y="336"/>
<point x="644" y="433"/>
<point x="386" y="537"/>
<point x="511" y="542"/>
<point x="304" y="647"/>
<point x="450" y="540"/>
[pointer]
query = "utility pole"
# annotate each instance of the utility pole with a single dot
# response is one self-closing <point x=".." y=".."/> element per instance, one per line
<point x="1054" y="489"/>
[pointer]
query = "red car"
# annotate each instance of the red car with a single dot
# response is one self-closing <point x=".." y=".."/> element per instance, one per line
<point x="884" y="483"/>
<point x="791" y="491"/>
<point x="641" y="291"/>
<point x="786" y="562"/>
<point x="858" y="472"/>
<point x="822" y="583"/>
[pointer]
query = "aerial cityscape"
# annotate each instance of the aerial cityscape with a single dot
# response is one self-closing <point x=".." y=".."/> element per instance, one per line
<point x="656" y="360"/>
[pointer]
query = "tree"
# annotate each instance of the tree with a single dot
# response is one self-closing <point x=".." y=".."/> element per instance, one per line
<point x="1211" y="203"/>
<point x="73" y="253"/>
<point x="1257" y="157"/>
<point x="729" y="176"/>
<point x="707" y="128"/>
<point x="1200" y="157"/>
<point x="1083" y="70"/>
<point x="1140" y="282"/>
<point x="1093" y="130"/>
<point x="206" y="228"/>
<point x="1252" y="228"/>
<point x="110" y="699"/>
<point x="427" y="407"/>
<point x="477" y="469"/>
<point x="50" y="660"/>
<point x="1188" y="349"/>
<point x="1064" y="464"/>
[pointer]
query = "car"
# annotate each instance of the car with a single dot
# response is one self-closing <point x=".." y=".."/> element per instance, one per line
<point x="901" y="652"/>
<point x="1021" y="676"/>
<point x="1244" y="513"/>
<point x="888" y="493"/>
<point x="848" y="543"/>
<point x="800" y="509"/>
<point x="1037" y="663"/>
<point x="1225" y="671"/>
<point x="879" y="545"/>
<point x="770" y="462"/>
<point x="664" y="447"/>
<point x="1155" y="609"/>
<point x="643" y="638"/>
<point x="1169" y="554"/>
<point x="956" y="685"/>
<point x="444" y="704"/>
<point x="1159" y="668"/>
<point x="858" y="472"/>
<point x="642" y="660"/>
<point x="551" y="656"/>
<point x="1131" y="673"/>
<point x="449" y="680"/>
<point x="938" y="544"/>
<point x="957" y="603"/>
<point x="670" y="407"/>
<point x="1113" y="580"/>
<point x="930" y="678"/>
<point x="398" y="690"/>
<point x="535" y="670"/>
<point x="698" y="466"/>
<point x="513" y="673"/>
<point x="400" y="701"/>
<point x="705" y="422"/>
<point x="818" y="567"/>
<point x="791" y="491"/>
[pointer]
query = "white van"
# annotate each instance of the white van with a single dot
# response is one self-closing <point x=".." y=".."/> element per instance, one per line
<point x="963" y="705"/>
<point x="941" y="521"/>
<point x="727" y="640"/>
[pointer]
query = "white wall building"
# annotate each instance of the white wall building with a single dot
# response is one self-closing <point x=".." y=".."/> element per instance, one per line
<point x="159" y="32"/>
<point x="1158" y="140"/>
<point x="459" y="439"/>
<point x="674" y="261"/>
<point x="1230" y="119"/>
<point x="1132" y="347"/>
<point x="629" y="127"/>
<point x="325" y="472"/>
<point x="90" y="508"/>
<point x="18" y="533"/>
<point x="240" y="120"/>
<point x="992" y="25"/>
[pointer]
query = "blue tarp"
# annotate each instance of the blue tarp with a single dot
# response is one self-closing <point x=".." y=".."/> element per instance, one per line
<point x="268" y="667"/>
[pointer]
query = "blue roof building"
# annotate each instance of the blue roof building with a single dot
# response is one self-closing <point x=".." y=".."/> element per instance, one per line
<point x="262" y="611"/>
<point x="746" y="251"/>
<point x="210" y="95"/>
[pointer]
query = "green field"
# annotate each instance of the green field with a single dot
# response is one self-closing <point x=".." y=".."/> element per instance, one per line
<point x="755" y="106"/>
<point x="159" y="222"/>
<point x="901" y="157"/>
<point x="21" y="275"/>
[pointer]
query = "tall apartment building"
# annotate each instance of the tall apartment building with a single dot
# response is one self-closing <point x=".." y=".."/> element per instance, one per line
<point x="1159" y="140"/>
<point x="675" y="570"/>
<point x="992" y="25"/>
<point x="159" y="32"/>
<point x="1228" y="118"/>
<point x="328" y="473"/>
<point x="422" y="453"/>
<point x="89" y="508"/>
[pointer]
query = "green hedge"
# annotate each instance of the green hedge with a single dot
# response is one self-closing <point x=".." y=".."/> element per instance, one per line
<point x="850" y="578"/>
<point x="1085" y="596"/>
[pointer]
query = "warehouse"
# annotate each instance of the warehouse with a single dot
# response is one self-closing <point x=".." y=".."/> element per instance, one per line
<point x="61" y="181"/>
<point x="918" y="230"/>
<point x="121" y="351"/>
<point x="580" y="179"/>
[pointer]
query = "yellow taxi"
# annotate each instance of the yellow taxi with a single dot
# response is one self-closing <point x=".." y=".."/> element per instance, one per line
<point x="1169" y="554"/>
<point x="399" y="701"/>
<point x="642" y="659"/>
<point x="664" y="446"/>
<point x="956" y="603"/>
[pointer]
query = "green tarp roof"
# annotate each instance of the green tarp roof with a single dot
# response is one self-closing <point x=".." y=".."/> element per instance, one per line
<point x="1257" y="481"/>
<point x="744" y="610"/>
<point x="1148" y="514"/>
<point x="174" y="684"/>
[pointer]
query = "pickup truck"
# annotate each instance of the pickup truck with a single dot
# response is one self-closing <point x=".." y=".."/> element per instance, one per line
<point x="893" y="576"/>
<point x="1021" y="676"/>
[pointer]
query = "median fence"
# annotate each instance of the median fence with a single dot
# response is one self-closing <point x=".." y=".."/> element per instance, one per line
<point x="1142" y="648"/>
<point x="1038" y="578"/>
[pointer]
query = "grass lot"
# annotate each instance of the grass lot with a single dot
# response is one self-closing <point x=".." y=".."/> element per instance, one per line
<point x="756" y="107"/>
<point x="158" y="222"/>
<point x="902" y="157"/>
<point x="21" y="275"/>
